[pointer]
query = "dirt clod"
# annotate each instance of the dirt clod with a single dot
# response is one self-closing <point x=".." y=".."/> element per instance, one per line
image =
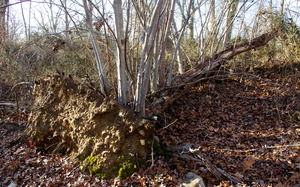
<point x="71" y="118"/>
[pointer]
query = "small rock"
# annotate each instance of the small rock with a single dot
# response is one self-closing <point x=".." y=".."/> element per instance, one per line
<point x="13" y="184"/>
<point x="192" y="180"/>
<point x="141" y="132"/>
<point x="143" y="142"/>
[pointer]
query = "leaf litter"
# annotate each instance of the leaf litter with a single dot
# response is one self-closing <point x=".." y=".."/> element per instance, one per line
<point x="242" y="125"/>
<point x="245" y="126"/>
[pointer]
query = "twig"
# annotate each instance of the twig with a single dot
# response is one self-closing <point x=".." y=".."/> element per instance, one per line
<point x="8" y="104"/>
<point x="276" y="103"/>
<point x="57" y="147"/>
<point x="152" y="154"/>
<point x="5" y="6"/>
<point x="261" y="148"/>
<point x="21" y="83"/>
<point x="170" y="124"/>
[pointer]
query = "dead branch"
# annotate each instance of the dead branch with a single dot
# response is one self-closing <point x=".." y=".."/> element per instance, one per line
<point x="22" y="83"/>
<point x="217" y="172"/>
<point x="262" y="148"/>
<point x="220" y="58"/>
<point x="7" y="104"/>
<point x="190" y="78"/>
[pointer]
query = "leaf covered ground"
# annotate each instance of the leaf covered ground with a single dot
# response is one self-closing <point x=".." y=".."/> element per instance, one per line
<point x="247" y="126"/>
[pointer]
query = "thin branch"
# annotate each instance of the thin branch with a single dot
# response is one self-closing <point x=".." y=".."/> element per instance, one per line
<point x="5" y="6"/>
<point x="170" y="124"/>
<point x="21" y="83"/>
<point x="262" y="148"/>
<point x="217" y="172"/>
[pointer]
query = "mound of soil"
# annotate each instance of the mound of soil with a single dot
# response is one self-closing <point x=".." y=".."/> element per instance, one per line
<point x="74" y="119"/>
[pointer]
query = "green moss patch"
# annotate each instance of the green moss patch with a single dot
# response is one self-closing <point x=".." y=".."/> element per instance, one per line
<point x="126" y="170"/>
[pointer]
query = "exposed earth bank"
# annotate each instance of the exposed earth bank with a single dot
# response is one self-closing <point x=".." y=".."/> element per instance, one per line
<point x="72" y="118"/>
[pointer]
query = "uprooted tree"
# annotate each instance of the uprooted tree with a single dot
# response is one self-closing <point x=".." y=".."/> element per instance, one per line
<point x="105" y="135"/>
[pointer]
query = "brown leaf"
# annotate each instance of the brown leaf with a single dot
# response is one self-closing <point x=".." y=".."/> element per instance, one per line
<point x="248" y="162"/>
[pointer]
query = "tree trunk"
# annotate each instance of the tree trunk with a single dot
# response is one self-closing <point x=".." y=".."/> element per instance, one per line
<point x="146" y="59"/>
<point x="3" y="32"/>
<point x="175" y="42"/>
<point x="122" y="80"/>
<point x="177" y="47"/>
<point x="105" y="89"/>
<point x="281" y="7"/>
<point x="213" y="15"/>
<point x="66" y="20"/>
<point x="192" y="21"/>
<point x="229" y="20"/>
<point x="162" y="56"/>
<point x="24" y="21"/>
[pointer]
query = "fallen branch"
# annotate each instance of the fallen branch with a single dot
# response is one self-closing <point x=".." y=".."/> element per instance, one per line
<point x="8" y="104"/>
<point x="220" y="58"/>
<point x="217" y="172"/>
<point x="262" y="148"/>
<point x="22" y="83"/>
<point x="187" y="80"/>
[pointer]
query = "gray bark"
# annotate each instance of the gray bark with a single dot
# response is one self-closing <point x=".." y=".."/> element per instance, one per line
<point x="146" y="58"/>
<point x="66" y="20"/>
<point x="229" y="20"/>
<point x="177" y="47"/>
<point x="122" y="80"/>
<point x="213" y="15"/>
<point x="3" y="32"/>
<point x="24" y="21"/>
<point x="281" y="7"/>
<point x="192" y="22"/>
<point x="105" y="88"/>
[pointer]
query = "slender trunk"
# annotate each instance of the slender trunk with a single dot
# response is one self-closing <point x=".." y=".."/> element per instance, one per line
<point x="7" y="22"/>
<point x="162" y="56"/>
<point x="122" y="81"/>
<point x="24" y="21"/>
<point x="256" y="21"/>
<point x="29" y="21"/>
<point x="281" y="7"/>
<point x="230" y="16"/>
<point x="105" y="89"/>
<point x="157" y="48"/>
<point x="178" y="55"/>
<point x="212" y="15"/>
<point x="146" y="58"/>
<point x="66" y="20"/>
<point x="192" y="22"/>
<point x="178" y="44"/>
<point x="3" y="32"/>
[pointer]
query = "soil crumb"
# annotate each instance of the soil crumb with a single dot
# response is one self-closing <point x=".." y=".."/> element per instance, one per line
<point x="72" y="118"/>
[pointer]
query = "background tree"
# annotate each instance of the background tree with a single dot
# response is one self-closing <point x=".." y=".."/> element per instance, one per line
<point x="3" y="24"/>
<point x="230" y="19"/>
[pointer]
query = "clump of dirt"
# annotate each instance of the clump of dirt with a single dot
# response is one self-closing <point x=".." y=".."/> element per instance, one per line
<point x="74" y="119"/>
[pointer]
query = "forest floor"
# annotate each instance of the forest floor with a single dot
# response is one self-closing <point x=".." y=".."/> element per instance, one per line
<point x="247" y="126"/>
